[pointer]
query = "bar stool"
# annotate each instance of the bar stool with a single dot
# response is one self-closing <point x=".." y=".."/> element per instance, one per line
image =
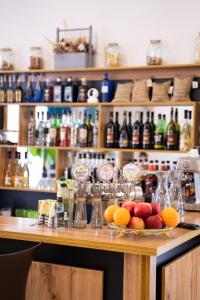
<point x="14" y="269"/>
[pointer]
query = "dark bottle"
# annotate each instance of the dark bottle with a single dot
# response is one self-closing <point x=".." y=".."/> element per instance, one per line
<point x="171" y="133"/>
<point x="90" y="131"/>
<point x="177" y="129"/>
<point x="141" y="127"/>
<point x="28" y="95"/>
<point x="18" y="91"/>
<point x="48" y="92"/>
<point x="147" y="133"/>
<point x="117" y="129"/>
<point x="130" y="129"/>
<point x="123" y="138"/>
<point x="153" y="128"/>
<point x="136" y="133"/>
<point x="151" y="183"/>
<point x="105" y="89"/>
<point x="82" y="91"/>
<point x="83" y="133"/>
<point x="68" y="91"/>
<point x="159" y="134"/>
<point x="110" y="133"/>
<point x="58" y="91"/>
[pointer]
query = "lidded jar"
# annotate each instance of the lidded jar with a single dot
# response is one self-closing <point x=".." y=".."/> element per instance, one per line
<point x="35" y="60"/>
<point x="6" y="59"/>
<point x="197" y="50"/>
<point x="154" y="53"/>
<point x="112" y="53"/>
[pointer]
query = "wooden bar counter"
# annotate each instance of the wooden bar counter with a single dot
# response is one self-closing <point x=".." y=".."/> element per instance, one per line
<point x="97" y="264"/>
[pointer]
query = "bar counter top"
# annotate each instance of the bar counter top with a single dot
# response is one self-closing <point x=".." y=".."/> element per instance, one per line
<point x="102" y="239"/>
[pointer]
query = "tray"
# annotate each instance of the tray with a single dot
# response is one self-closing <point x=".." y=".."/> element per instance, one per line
<point x="164" y="232"/>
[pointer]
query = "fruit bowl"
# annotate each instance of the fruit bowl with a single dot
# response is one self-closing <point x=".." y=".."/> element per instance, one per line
<point x="122" y="230"/>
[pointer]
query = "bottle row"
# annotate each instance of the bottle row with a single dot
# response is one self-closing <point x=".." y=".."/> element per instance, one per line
<point x="64" y="130"/>
<point x="38" y="88"/>
<point x="148" y="135"/>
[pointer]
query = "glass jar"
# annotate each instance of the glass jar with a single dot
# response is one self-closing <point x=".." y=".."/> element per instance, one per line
<point x="6" y="59"/>
<point x="197" y="50"/>
<point x="154" y="53"/>
<point x="112" y="53"/>
<point x="35" y="60"/>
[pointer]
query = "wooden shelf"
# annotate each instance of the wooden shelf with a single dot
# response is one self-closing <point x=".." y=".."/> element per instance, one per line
<point x="104" y="69"/>
<point x="26" y="189"/>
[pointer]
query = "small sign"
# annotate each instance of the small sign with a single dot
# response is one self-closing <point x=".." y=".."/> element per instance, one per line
<point x="80" y="172"/>
<point x="106" y="172"/>
<point x="131" y="172"/>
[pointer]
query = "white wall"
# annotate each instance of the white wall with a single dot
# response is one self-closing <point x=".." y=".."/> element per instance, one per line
<point x="132" y="23"/>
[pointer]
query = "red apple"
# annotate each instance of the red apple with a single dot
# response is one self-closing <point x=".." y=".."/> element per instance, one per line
<point x="129" y="205"/>
<point x="143" y="210"/>
<point x="155" y="208"/>
<point x="136" y="223"/>
<point x="154" y="222"/>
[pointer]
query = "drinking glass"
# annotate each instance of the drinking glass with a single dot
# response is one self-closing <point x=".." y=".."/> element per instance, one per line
<point x="80" y="219"/>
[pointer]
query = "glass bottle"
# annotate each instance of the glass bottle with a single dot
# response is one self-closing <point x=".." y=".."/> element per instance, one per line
<point x="82" y="91"/>
<point x="38" y="92"/>
<point x="68" y="91"/>
<point x="25" y="172"/>
<point x="159" y="134"/>
<point x="41" y="127"/>
<point x="53" y="131"/>
<point x="129" y="128"/>
<point x="105" y="89"/>
<point x="141" y="127"/>
<point x="96" y="217"/>
<point x="31" y="130"/>
<point x="18" y="91"/>
<point x="197" y="50"/>
<point x="96" y="130"/>
<point x="8" y="179"/>
<point x="2" y="91"/>
<point x="154" y="53"/>
<point x="28" y="93"/>
<point x="18" y="173"/>
<point x="48" y="92"/>
<point x="171" y="133"/>
<point x="136" y="133"/>
<point x="58" y="90"/>
<point x="185" y="136"/>
<point x="177" y="129"/>
<point x="147" y="133"/>
<point x="153" y="128"/>
<point x="90" y="131"/>
<point x="117" y="130"/>
<point x="10" y="91"/>
<point x="110" y="132"/>
<point x="83" y="133"/>
<point x="124" y="137"/>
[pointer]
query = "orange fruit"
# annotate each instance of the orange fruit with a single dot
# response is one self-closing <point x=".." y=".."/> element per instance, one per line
<point x="109" y="212"/>
<point x="170" y="217"/>
<point x="121" y="216"/>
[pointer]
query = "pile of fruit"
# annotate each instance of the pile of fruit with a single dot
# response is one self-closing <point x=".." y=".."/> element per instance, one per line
<point x="141" y="215"/>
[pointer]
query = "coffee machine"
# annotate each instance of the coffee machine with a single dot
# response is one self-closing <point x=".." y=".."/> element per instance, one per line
<point x="190" y="167"/>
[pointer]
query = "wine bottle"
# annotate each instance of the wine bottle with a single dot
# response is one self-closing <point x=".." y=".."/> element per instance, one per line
<point x="147" y="133"/>
<point x="18" y="91"/>
<point x="123" y="138"/>
<point x="185" y="136"/>
<point x="117" y="129"/>
<point x="110" y="133"/>
<point x="2" y="91"/>
<point x="136" y="133"/>
<point x="171" y="133"/>
<point x="177" y="129"/>
<point x="96" y="130"/>
<point x="82" y="91"/>
<point x="83" y="133"/>
<point x="141" y="127"/>
<point x="159" y="134"/>
<point x="130" y="129"/>
<point x="153" y="128"/>
<point x="90" y="131"/>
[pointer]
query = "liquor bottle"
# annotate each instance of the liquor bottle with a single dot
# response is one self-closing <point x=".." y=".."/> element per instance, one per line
<point x="96" y="129"/>
<point x="63" y="130"/>
<point x="164" y="126"/>
<point x="18" y="172"/>
<point x="74" y="129"/>
<point x="147" y="133"/>
<point x="2" y="91"/>
<point x="82" y="91"/>
<point x="41" y="127"/>
<point x="10" y="91"/>
<point x="110" y="133"/>
<point x="18" y="96"/>
<point x="159" y="134"/>
<point x="38" y="92"/>
<point x="68" y="91"/>
<point x="68" y="128"/>
<point x="153" y="128"/>
<point x="124" y="137"/>
<point x="90" y="131"/>
<point x="48" y="92"/>
<point x="136" y="133"/>
<point x="117" y="130"/>
<point x="190" y="121"/>
<point x="47" y="139"/>
<point x="83" y="133"/>
<point x="130" y="129"/>
<point x="31" y="130"/>
<point x="28" y="93"/>
<point x="105" y="89"/>
<point x="177" y="129"/>
<point x="25" y="172"/>
<point x="58" y="125"/>
<point x="185" y="136"/>
<point x="171" y="133"/>
<point x="53" y="131"/>
<point x="141" y="127"/>
<point x="8" y="179"/>
<point x="58" y="91"/>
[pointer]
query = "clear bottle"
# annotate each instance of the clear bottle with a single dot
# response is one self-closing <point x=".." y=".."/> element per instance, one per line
<point x="8" y="179"/>
<point x="41" y="127"/>
<point x="2" y="91"/>
<point x="10" y="91"/>
<point x="31" y="130"/>
<point x="18" y="173"/>
<point x="154" y="53"/>
<point x="25" y="173"/>
<point x="18" y="91"/>
<point x="185" y="136"/>
<point x="96" y="130"/>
